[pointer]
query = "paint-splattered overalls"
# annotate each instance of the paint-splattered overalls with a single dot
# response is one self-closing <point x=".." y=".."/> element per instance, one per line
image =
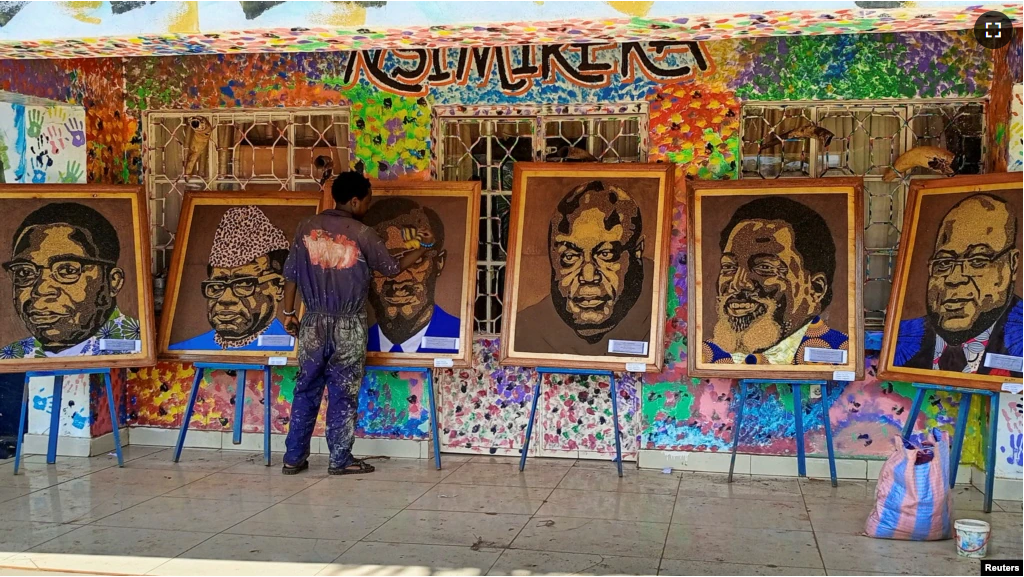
<point x="330" y="261"/>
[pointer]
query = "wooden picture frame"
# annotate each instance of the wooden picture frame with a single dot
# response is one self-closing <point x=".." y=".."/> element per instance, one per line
<point x="435" y="196"/>
<point x="197" y="342"/>
<point x="646" y="255"/>
<point x="932" y="209"/>
<point x="736" y="192"/>
<point x="83" y="238"/>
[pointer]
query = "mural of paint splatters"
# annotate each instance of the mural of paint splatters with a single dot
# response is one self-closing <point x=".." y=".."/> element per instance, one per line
<point x="1015" y="131"/>
<point x="1010" y="437"/>
<point x="865" y="416"/>
<point x="390" y="404"/>
<point x="485" y="408"/>
<point x="577" y="415"/>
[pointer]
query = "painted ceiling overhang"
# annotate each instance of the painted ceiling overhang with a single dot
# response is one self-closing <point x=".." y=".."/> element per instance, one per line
<point x="96" y="29"/>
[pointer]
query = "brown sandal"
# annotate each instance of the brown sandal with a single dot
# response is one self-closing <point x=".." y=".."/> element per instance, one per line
<point x="356" y="467"/>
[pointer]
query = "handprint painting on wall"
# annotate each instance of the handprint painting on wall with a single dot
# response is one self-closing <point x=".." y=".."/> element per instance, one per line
<point x="41" y="142"/>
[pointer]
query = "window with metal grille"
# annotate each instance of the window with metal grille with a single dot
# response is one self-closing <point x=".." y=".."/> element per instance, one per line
<point x="484" y="142"/>
<point x="779" y="141"/>
<point x="262" y="150"/>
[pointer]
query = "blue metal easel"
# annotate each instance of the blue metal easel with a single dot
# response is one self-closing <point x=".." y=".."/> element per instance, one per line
<point x="536" y="395"/>
<point x="428" y="390"/>
<point x="798" y="414"/>
<point x="239" y="403"/>
<point x="961" y="428"/>
<point x="58" y="391"/>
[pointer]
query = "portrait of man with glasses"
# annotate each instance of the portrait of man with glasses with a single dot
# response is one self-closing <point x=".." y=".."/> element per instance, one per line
<point x="65" y="279"/>
<point x="972" y="309"/>
<point x="244" y="285"/>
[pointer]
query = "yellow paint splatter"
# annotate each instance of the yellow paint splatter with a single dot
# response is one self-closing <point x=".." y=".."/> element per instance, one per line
<point x="185" y="19"/>
<point x="340" y="14"/>
<point x="81" y="11"/>
<point x="638" y="9"/>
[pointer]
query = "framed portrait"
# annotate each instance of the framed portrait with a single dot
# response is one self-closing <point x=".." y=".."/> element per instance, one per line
<point x="587" y="259"/>
<point x="78" y="290"/>
<point x="954" y="315"/>
<point x="775" y="277"/>
<point x="225" y="286"/>
<point x="426" y="311"/>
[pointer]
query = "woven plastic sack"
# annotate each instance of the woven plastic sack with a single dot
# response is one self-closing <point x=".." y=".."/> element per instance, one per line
<point x="913" y="501"/>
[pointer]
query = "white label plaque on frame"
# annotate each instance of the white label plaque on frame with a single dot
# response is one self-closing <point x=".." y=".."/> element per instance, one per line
<point x="830" y="356"/>
<point x="1014" y="388"/>
<point x="440" y="343"/>
<point x="121" y="345"/>
<point x="277" y="361"/>
<point x="275" y="341"/>
<point x="1005" y="362"/>
<point x="843" y="375"/>
<point x="638" y="348"/>
<point x="442" y="363"/>
<point x="636" y="367"/>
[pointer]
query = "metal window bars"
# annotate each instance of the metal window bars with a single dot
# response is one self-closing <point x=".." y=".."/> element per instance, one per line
<point x="484" y="142"/>
<point x="251" y="150"/>
<point x="778" y="141"/>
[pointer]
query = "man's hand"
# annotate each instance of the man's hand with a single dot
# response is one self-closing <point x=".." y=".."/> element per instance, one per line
<point x="413" y="238"/>
<point x="426" y="237"/>
<point x="291" y="324"/>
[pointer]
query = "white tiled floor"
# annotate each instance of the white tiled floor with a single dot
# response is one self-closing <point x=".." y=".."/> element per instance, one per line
<point x="224" y="513"/>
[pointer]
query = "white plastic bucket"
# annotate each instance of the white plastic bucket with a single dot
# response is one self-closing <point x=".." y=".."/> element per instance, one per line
<point x="972" y="538"/>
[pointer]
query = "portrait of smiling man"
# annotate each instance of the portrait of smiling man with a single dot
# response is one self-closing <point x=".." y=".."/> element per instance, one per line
<point x="597" y="274"/>
<point x="972" y="309"/>
<point x="404" y="305"/>
<point x="65" y="279"/>
<point x="244" y="284"/>
<point x="776" y="273"/>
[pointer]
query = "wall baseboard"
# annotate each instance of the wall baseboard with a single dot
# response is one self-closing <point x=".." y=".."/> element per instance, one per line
<point x="253" y="442"/>
<point x="35" y="444"/>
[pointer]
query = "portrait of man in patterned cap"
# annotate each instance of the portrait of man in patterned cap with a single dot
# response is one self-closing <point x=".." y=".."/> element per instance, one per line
<point x="244" y="284"/>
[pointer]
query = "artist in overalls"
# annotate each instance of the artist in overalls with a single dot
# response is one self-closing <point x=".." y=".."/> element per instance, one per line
<point x="330" y="261"/>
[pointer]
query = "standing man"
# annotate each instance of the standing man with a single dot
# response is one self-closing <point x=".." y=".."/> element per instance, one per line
<point x="404" y="304"/>
<point x="972" y="309"/>
<point x="330" y="262"/>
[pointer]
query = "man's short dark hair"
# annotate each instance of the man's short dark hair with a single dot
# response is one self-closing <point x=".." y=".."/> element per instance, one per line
<point x="811" y="236"/>
<point x="92" y="230"/>
<point x="392" y="207"/>
<point x="621" y="206"/>
<point x="349" y="185"/>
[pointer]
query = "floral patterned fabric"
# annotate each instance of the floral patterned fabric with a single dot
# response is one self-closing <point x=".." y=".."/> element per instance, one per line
<point x="118" y="326"/>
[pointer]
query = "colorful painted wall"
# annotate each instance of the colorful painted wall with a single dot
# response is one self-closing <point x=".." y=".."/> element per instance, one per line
<point x="41" y="141"/>
<point x="694" y="91"/>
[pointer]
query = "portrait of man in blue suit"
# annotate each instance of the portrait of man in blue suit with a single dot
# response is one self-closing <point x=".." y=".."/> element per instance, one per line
<point x="972" y="306"/>
<point x="404" y="304"/>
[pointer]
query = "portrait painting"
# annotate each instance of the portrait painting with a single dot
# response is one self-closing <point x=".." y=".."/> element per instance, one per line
<point x="954" y="315"/>
<point x="226" y="280"/>
<point x="775" y="278"/>
<point x="78" y="287"/>
<point x="424" y="312"/>
<point x="587" y="259"/>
